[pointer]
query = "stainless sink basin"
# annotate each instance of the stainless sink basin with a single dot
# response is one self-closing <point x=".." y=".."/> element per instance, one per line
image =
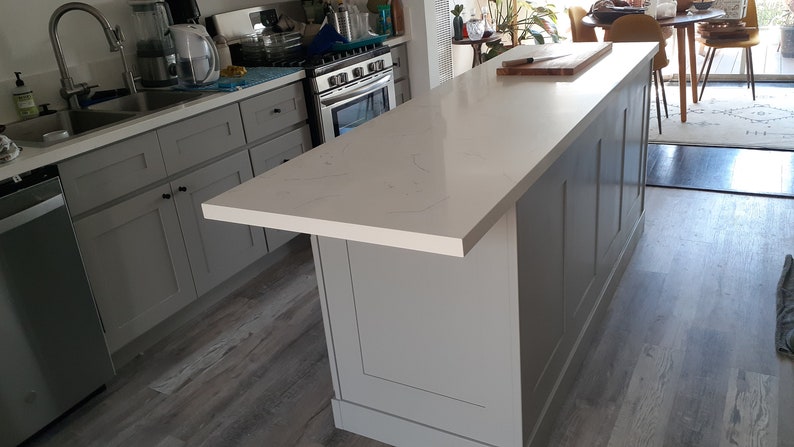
<point x="51" y="129"/>
<point x="146" y="101"/>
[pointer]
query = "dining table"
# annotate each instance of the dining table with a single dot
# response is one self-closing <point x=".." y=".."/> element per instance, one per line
<point x="684" y="24"/>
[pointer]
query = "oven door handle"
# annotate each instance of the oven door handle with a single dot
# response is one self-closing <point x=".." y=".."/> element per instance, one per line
<point x="369" y="88"/>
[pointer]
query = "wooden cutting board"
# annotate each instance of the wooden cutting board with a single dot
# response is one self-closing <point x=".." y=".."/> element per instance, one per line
<point x="582" y="55"/>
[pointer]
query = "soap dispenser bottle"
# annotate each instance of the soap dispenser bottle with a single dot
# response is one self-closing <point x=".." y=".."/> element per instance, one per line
<point x="23" y="99"/>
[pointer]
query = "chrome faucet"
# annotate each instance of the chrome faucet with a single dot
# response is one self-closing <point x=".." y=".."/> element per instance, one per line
<point x="69" y="90"/>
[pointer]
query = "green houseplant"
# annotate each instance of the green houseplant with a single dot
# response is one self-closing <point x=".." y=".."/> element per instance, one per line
<point x="521" y="20"/>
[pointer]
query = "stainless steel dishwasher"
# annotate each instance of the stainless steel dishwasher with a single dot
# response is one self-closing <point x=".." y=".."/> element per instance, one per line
<point x="52" y="349"/>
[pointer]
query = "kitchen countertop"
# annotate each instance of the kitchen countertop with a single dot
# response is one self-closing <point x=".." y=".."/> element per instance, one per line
<point x="34" y="157"/>
<point x="437" y="172"/>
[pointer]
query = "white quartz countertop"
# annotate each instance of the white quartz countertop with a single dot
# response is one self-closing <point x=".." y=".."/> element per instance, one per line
<point x="437" y="172"/>
<point x="35" y="157"/>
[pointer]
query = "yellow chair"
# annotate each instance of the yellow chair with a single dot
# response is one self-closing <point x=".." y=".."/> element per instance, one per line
<point x="579" y="32"/>
<point x="644" y="28"/>
<point x="751" y="22"/>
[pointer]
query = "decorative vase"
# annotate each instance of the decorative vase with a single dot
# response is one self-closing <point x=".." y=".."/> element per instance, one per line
<point x="457" y="28"/>
<point x="476" y="28"/>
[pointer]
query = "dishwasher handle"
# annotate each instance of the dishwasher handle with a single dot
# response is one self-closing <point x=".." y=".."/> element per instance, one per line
<point x="30" y="214"/>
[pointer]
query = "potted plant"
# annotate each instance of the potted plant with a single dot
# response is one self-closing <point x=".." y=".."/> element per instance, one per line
<point x="521" y="20"/>
<point x="786" y="22"/>
<point x="457" y="22"/>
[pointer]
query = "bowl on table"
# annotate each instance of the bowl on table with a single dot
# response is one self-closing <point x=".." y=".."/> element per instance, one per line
<point x="702" y="6"/>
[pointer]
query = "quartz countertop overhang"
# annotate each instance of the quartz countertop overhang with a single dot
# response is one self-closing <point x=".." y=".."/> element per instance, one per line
<point x="437" y="172"/>
<point x="34" y="157"/>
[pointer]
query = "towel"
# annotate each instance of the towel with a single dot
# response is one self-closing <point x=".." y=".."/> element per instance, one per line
<point x="784" y="332"/>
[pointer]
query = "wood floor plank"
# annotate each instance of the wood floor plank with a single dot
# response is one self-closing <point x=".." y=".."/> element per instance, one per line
<point x="750" y="410"/>
<point x="696" y="417"/>
<point x="645" y="411"/>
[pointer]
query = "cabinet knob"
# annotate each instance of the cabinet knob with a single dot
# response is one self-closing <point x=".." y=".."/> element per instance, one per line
<point x="166" y="196"/>
<point x="182" y="188"/>
<point x="276" y="110"/>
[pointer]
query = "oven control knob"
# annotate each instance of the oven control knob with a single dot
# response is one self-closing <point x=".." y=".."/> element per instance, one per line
<point x="358" y="72"/>
<point x="332" y="81"/>
<point x="372" y="66"/>
<point x="342" y="77"/>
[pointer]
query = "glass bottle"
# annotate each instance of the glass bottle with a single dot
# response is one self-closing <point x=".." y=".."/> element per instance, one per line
<point x="488" y="25"/>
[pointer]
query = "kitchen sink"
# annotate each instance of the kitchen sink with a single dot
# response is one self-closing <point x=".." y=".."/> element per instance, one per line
<point x="146" y="101"/>
<point x="50" y="129"/>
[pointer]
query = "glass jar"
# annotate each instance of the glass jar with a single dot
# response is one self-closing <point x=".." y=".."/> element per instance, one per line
<point x="475" y="28"/>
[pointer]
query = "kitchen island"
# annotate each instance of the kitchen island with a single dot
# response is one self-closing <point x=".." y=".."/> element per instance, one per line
<point x="466" y="245"/>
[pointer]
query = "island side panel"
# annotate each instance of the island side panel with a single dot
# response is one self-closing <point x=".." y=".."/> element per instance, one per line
<point x="576" y="228"/>
<point x="426" y="339"/>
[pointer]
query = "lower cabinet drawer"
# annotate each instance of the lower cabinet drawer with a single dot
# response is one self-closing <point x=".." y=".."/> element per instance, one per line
<point x="267" y="156"/>
<point x="273" y="111"/>
<point x="201" y="138"/>
<point x="108" y="173"/>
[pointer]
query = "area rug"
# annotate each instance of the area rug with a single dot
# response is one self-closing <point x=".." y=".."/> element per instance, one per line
<point x="728" y="117"/>
<point x="784" y="332"/>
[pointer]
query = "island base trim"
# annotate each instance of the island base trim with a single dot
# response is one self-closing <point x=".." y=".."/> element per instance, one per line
<point x="393" y="430"/>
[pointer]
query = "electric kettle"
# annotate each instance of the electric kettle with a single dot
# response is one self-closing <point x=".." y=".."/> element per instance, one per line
<point x="197" y="61"/>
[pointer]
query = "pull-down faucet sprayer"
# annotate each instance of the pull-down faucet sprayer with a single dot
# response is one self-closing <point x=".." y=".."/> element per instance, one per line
<point x="69" y="90"/>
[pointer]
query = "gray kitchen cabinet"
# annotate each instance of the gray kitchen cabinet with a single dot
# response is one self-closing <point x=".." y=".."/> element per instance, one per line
<point x="148" y="250"/>
<point x="270" y="154"/>
<point x="272" y="112"/>
<point x="201" y="138"/>
<point x="118" y="169"/>
<point x="137" y="264"/>
<point x="216" y="250"/>
<point x="402" y="85"/>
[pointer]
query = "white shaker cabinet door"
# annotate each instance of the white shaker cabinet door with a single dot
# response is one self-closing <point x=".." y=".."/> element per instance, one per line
<point x="217" y="250"/>
<point x="136" y="263"/>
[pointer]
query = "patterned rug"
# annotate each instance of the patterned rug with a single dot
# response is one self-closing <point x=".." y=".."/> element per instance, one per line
<point x="728" y="117"/>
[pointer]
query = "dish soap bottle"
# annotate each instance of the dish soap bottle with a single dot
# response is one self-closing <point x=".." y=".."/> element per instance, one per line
<point x="23" y="99"/>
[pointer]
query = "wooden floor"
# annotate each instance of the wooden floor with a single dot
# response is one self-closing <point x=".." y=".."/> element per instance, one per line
<point x="746" y="171"/>
<point x="685" y="356"/>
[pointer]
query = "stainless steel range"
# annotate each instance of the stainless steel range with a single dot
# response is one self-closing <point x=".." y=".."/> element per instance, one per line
<point x="349" y="92"/>
<point x="344" y="89"/>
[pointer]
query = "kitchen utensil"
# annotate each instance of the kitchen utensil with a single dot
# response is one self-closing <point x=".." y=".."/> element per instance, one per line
<point x="155" y="47"/>
<point x="529" y="60"/>
<point x="197" y="61"/>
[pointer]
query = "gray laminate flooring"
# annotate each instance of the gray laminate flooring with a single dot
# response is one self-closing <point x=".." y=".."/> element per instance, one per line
<point x="685" y="356"/>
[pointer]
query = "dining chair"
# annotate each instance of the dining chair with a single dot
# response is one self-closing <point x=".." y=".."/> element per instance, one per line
<point x="644" y="28"/>
<point x="579" y="32"/>
<point x="751" y="23"/>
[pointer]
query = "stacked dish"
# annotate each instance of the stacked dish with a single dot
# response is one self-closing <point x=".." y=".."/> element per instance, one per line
<point x="258" y="48"/>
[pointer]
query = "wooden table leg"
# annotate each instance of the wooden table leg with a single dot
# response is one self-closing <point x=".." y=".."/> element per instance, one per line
<point x="681" y="38"/>
<point x="477" y="47"/>
<point x="690" y="31"/>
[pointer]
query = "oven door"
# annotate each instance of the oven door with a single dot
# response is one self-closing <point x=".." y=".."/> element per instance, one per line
<point x="342" y="111"/>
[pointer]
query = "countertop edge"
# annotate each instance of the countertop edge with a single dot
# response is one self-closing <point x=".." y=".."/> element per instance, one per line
<point x="429" y="243"/>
